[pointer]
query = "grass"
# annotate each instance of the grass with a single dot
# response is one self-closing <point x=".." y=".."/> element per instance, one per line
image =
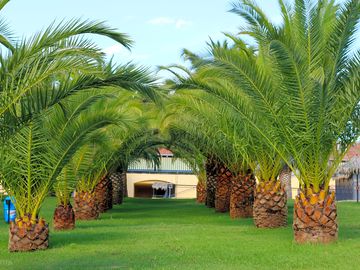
<point x="180" y="234"/>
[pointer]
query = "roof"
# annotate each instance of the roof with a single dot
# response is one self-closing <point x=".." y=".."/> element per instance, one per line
<point x="165" y="152"/>
<point x="350" y="164"/>
<point x="354" y="151"/>
<point x="348" y="168"/>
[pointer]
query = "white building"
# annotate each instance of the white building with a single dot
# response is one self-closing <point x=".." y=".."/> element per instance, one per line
<point x="174" y="178"/>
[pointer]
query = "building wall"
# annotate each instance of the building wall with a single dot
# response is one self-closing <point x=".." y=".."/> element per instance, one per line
<point x="185" y="184"/>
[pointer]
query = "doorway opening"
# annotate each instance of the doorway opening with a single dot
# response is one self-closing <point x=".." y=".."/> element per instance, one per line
<point x="154" y="189"/>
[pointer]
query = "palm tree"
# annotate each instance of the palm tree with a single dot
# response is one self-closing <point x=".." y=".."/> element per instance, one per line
<point x="201" y="187"/>
<point x="222" y="184"/>
<point x="141" y="143"/>
<point x="89" y="102"/>
<point x="33" y="158"/>
<point x="188" y="152"/>
<point x="187" y="136"/>
<point x="242" y="194"/>
<point x="37" y="76"/>
<point x="89" y="169"/>
<point x="64" y="215"/>
<point x="89" y="166"/>
<point x="270" y="208"/>
<point x="98" y="162"/>
<point x="299" y="93"/>
<point x="194" y="121"/>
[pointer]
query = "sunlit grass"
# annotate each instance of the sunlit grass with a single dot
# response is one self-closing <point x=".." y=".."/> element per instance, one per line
<point x="180" y="234"/>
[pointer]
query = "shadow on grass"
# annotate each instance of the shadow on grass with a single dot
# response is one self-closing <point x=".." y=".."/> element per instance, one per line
<point x="79" y="237"/>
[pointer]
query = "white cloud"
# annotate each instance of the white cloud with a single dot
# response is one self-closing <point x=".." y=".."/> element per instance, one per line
<point x="114" y="49"/>
<point x="178" y="23"/>
<point x="161" y="21"/>
<point x="182" y="23"/>
<point x="122" y="53"/>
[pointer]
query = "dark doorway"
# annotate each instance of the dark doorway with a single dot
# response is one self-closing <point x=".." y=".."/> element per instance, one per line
<point x="159" y="193"/>
<point x="148" y="189"/>
<point x="143" y="190"/>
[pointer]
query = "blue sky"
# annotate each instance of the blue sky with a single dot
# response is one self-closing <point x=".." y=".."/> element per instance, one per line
<point x="160" y="28"/>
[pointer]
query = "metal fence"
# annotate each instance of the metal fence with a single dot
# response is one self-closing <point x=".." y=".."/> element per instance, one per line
<point x="167" y="165"/>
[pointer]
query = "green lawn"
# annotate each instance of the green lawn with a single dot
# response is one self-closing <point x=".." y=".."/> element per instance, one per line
<point x="180" y="234"/>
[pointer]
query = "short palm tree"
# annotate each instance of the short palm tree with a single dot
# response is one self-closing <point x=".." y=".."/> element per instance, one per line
<point x="33" y="159"/>
<point x="89" y="102"/>
<point x="270" y="201"/>
<point x="199" y="122"/>
<point x="37" y="76"/>
<point x="89" y="166"/>
<point x="98" y="163"/>
<point x="142" y="143"/>
<point x="188" y="152"/>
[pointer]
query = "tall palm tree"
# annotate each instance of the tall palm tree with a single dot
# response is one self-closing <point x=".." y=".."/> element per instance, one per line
<point x="299" y="92"/>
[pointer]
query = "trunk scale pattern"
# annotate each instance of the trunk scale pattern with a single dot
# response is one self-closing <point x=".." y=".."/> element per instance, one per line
<point x="315" y="218"/>
<point x="270" y="208"/>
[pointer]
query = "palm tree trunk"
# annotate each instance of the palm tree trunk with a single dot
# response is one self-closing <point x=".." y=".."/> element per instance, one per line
<point x="109" y="194"/>
<point x="64" y="217"/>
<point x="103" y="194"/>
<point x="201" y="192"/>
<point x="270" y="208"/>
<point x="26" y="235"/>
<point x="223" y="188"/>
<point x="211" y="179"/>
<point x="242" y="195"/>
<point x="124" y="182"/>
<point x="315" y="218"/>
<point x="117" y="187"/>
<point x="285" y="179"/>
<point x="86" y="206"/>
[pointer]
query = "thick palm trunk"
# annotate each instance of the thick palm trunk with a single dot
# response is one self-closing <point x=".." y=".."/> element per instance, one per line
<point x="211" y="178"/>
<point x="242" y="196"/>
<point x="223" y="188"/>
<point x="103" y="194"/>
<point x="109" y="197"/>
<point x="270" y="208"/>
<point x="285" y="179"/>
<point x="27" y="236"/>
<point x="64" y="217"/>
<point x="117" y="187"/>
<point x="315" y="218"/>
<point x="124" y="182"/>
<point x="201" y="192"/>
<point x="86" y="206"/>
